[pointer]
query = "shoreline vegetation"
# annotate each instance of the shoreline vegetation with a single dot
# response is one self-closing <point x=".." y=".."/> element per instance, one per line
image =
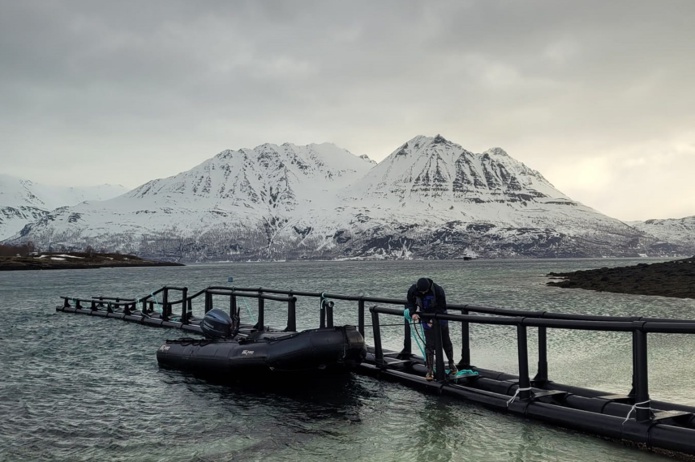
<point x="75" y="260"/>
<point x="668" y="279"/>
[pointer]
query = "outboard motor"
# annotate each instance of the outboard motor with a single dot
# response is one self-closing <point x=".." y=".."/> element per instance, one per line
<point x="217" y="324"/>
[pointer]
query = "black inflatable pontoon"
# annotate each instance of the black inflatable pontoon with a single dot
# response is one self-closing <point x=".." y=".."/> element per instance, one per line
<point x="225" y="353"/>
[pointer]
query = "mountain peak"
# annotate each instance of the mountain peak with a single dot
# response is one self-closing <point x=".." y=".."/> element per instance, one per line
<point x="425" y="168"/>
<point x="430" y="198"/>
<point x="420" y="144"/>
<point x="497" y="152"/>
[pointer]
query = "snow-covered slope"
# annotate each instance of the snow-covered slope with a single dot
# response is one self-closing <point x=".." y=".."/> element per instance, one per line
<point x="429" y="199"/>
<point x="435" y="180"/>
<point x="23" y="201"/>
<point x="670" y="231"/>
<point x="433" y="198"/>
<point x="236" y="200"/>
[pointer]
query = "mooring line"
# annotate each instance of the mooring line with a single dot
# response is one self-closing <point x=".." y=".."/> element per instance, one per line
<point x="516" y="393"/>
<point x="637" y="406"/>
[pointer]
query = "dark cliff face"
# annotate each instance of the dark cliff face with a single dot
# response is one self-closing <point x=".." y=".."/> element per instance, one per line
<point x="452" y="240"/>
<point x="668" y="279"/>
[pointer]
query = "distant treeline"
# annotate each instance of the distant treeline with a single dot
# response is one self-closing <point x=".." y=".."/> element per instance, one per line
<point x="14" y="250"/>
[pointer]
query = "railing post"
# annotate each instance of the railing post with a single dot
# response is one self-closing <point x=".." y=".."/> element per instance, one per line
<point x="208" y="301"/>
<point x="360" y="316"/>
<point x="542" y="374"/>
<point x="261" y="312"/>
<point x="522" y="343"/>
<point x="439" y="372"/>
<point x="376" y="330"/>
<point x="291" y="315"/>
<point x="165" y="304"/>
<point x="407" y="341"/>
<point x="322" y="314"/>
<point x="465" y="362"/>
<point x="641" y="375"/>
<point x="329" y="313"/>
<point x="184" y="305"/>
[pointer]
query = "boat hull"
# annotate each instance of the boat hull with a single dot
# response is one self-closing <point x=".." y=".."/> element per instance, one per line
<point x="311" y="350"/>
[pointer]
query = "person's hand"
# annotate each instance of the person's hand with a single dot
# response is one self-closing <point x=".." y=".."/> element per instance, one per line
<point x="416" y="317"/>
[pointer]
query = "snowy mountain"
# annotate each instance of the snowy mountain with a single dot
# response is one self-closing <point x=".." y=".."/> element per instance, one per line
<point x="670" y="231"/>
<point x="429" y="199"/>
<point x="23" y="201"/>
<point x="433" y="199"/>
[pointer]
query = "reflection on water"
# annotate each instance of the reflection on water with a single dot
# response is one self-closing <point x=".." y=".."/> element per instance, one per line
<point x="82" y="388"/>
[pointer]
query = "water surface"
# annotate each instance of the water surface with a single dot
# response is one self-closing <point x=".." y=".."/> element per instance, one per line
<point x="77" y="388"/>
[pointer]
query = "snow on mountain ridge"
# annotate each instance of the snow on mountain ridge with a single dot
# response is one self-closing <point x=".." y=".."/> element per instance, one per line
<point x="269" y="174"/>
<point x="23" y="201"/>
<point x="424" y="168"/>
<point x="452" y="183"/>
<point x="21" y="192"/>
<point x="430" y="198"/>
<point x="228" y="193"/>
<point x="678" y="230"/>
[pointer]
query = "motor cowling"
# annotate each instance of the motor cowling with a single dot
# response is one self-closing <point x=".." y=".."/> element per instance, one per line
<point x="217" y="324"/>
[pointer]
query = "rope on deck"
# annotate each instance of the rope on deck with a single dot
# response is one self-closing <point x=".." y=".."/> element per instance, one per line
<point x="637" y="406"/>
<point x="516" y="393"/>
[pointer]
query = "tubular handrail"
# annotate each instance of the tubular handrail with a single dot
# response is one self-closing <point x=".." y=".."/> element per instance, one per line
<point x="469" y="314"/>
<point x="458" y="307"/>
<point x="638" y="328"/>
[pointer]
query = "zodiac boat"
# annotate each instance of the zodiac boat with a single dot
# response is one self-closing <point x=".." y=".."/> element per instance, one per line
<point x="226" y="353"/>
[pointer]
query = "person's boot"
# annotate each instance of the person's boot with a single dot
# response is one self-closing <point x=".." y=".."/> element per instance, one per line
<point x="430" y="361"/>
<point x="452" y="368"/>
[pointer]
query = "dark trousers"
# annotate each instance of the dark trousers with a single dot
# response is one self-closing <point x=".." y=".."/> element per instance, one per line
<point x="448" y="348"/>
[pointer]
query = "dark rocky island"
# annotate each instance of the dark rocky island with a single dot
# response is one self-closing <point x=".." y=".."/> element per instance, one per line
<point x="75" y="260"/>
<point x="668" y="279"/>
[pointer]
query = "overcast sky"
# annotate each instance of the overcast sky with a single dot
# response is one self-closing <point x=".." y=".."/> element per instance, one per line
<point x="599" y="96"/>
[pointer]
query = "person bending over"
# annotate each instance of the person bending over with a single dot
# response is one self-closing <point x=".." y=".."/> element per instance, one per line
<point x="427" y="297"/>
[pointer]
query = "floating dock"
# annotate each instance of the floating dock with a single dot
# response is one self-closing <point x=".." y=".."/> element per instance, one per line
<point x="630" y="417"/>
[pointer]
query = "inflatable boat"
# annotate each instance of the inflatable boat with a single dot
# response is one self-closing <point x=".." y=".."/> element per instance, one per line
<point x="225" y="353"/>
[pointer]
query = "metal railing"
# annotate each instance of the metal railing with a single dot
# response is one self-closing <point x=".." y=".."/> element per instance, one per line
<point x="639" y="327"/>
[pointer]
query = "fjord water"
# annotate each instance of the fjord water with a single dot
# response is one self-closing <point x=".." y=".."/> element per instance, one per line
<point x="79" y="388"/>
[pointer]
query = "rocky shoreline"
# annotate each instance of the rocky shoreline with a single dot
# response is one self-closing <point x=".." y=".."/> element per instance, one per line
<point x="76" y="260"/>
<point x="668" y="279"/>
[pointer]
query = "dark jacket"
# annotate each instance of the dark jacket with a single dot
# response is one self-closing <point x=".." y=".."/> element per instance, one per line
<point x="432" y="301"/>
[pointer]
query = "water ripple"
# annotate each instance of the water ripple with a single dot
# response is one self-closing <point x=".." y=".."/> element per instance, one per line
<point x="78" y="388"/>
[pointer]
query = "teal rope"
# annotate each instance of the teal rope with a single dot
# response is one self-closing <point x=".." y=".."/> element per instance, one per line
<point x="156" y="302"/>
<point x="248" y="308"/>
<point x="418" y="338"/>
<point x="248" y="311"/>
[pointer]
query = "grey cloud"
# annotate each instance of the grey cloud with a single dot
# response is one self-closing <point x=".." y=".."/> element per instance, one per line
<point x="170" y="83"/>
